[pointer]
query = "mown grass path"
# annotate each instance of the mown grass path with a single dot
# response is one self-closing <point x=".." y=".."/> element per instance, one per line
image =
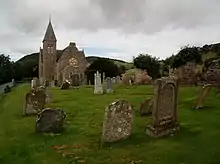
<point x="198" y="141"/>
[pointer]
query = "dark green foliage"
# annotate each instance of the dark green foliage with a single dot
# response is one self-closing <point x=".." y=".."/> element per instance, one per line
<point x="102" y="65"/>
<point x="6" y="69"/>
<point x="91" y="59"/>
<point x="185" y="55"/>
<point x="149" y="63"/>
<point x="27" y="66"/>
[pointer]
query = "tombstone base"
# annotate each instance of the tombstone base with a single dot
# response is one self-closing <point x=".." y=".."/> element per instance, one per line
<point x="98" y="92"/>
<point x="161" y="131"/>
<point x="109" y="91"/>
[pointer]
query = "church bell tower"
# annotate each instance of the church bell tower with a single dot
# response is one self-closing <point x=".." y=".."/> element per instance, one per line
<point x="48" y="54"/>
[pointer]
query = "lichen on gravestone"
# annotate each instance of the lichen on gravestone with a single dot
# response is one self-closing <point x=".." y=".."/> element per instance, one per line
<point x="117" y="123"/>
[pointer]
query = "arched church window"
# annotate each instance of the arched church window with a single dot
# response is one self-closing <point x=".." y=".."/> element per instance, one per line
<point x="51" y="49"/>
<point x="48" y="49"/>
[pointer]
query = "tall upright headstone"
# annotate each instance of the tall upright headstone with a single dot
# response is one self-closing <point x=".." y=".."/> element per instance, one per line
<point x="75" y="80"/>
<point x="109" y="87"/>
<point x="165" y="108"/>
<point x="103" y="77"/>
<point x="113" y="80"/>
<point x="118" y="80"/>
<point x="35" y="82"/>
<point x="13" y="82"/>
<point x="98" y="84"/>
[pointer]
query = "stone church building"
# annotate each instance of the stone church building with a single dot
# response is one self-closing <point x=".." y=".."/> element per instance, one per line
<point x="60" y="65"/>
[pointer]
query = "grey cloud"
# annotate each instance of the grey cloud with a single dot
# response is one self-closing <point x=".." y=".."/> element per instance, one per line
<point x="25" y="19"/>
<point x="128" y="16"/>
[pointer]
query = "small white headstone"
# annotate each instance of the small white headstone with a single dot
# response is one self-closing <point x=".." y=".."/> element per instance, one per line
<point x="98" y="84"/>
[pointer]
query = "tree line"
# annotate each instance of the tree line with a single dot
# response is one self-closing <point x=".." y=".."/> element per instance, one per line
<point x="155" y="67"/>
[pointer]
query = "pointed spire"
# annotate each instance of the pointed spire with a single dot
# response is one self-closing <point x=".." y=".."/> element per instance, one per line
<point x="50" y="35"/>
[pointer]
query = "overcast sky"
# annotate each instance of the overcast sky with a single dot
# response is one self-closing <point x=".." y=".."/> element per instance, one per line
<point x="112" y="28"/>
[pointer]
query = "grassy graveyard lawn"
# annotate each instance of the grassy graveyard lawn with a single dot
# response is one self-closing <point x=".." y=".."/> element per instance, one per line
<point x="198" y="141"/>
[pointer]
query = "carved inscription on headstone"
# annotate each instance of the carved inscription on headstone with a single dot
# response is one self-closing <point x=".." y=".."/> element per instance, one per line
<point x="165" y="108"/>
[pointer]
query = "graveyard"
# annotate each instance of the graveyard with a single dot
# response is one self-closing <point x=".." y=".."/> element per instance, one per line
<point x="196" y="141"/>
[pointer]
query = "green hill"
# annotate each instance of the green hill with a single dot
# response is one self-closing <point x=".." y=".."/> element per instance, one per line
<point x="33" y="59"/>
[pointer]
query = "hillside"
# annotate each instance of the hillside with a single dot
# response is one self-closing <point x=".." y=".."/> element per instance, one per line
<point x="33" y="58"/>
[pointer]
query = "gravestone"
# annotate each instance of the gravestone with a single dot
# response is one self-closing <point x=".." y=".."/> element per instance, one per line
<point x="109" y="85"/>
<point x="118" y="80"/>
<point x="103" y="77"/>
<point x="50" y="121"/>
<point x="65" y="85"/>
<point x="164" y="113"/>
<point x="13" y="82"/>
<point x="35" y="82"/>
<point x="147" y="107"/>
<point x="113" y="80"/>
<point x="52" y="83"/>
<point x="75" y="80"/>
<point x="35" y="101"/>
<point x="202" y="95"/>
<point x="117" y="123"/>
<point x="98" y="84"/>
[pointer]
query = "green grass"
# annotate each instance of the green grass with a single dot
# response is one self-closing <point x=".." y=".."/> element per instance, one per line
<point x="198" y="141"/>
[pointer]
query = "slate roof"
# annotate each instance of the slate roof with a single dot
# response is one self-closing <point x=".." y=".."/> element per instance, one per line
<point x="49" y="35"/>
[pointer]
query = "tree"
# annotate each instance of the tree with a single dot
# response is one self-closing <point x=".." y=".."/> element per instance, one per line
<point x="6" y="69"/>
<point x="148" y="63"/>
<point x="185" y="55"/>
<point x="102" y="65"/>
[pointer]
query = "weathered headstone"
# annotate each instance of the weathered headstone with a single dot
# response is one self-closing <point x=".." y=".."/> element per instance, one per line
<point x="98" y="84"/>
<point x="118" y="80"/>
<point x="75" y="80"/>
<point x="13" y="82"/>
<point x="201" y="97"/>
<point x="165" y="108"/>
<point x="147" y="107"/>
<point x="103" y="77"/>
<point x="65" y="85"/>
<point x="52" y="83"/>
<point x="109" y="88"/>
<point x="35" y="101"/>
<point x="113" y="80"/>
<point x="35" y="82"/>
<point x="50" y="121"/>
<point x="117" y="123"/>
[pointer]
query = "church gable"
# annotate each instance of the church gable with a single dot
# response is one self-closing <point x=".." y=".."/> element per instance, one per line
<point x="70" y="54"/>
